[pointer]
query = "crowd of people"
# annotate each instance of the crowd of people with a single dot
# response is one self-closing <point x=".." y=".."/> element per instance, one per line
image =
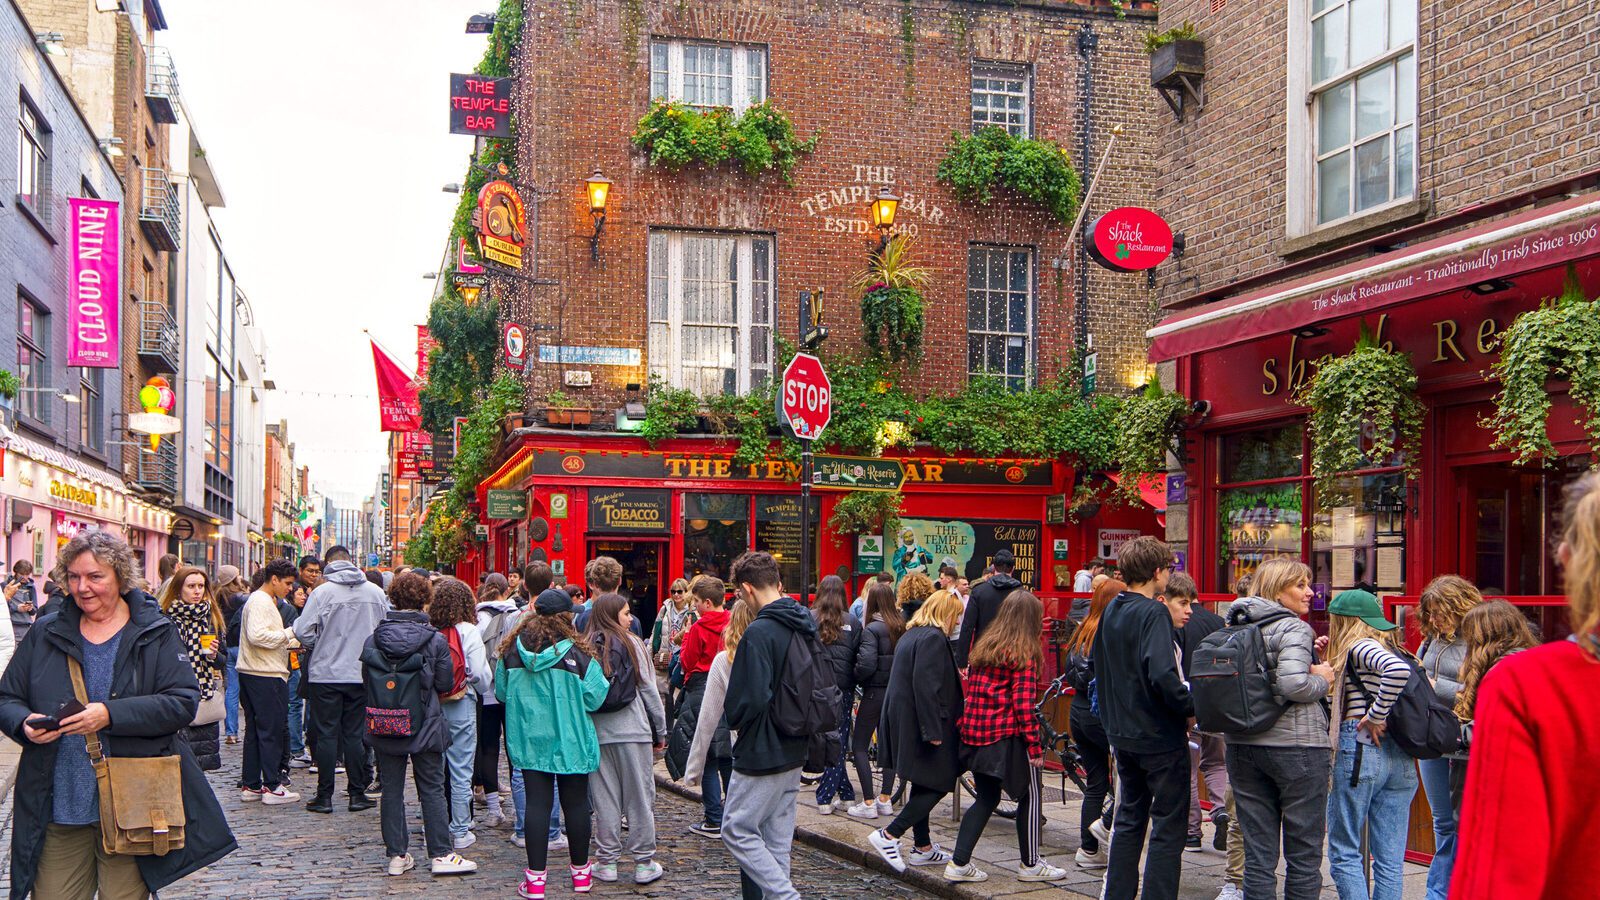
<point x="751" y="696"/>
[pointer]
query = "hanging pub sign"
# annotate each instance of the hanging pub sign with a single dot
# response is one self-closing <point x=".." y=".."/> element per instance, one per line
<point x="516" y="345"/>
<point x="94" y="338"/>
<point x="1130" y="239"/>
<point x="502" y="224"/>
<point x="480" y="106"/>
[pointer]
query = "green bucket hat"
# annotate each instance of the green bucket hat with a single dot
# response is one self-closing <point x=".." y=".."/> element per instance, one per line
<point x="1361" y="605"/>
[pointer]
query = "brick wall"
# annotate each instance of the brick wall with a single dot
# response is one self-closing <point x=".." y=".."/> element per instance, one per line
<point x="886" y="81"/>
<point x="1505" y="97"/>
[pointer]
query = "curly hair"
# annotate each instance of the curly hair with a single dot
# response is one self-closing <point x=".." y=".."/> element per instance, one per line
<point x="914" y="588"/>
<point x="410" y="591"/>
<point x="1444" y="603"/>
<point x="108" y="550"/>
<point x="1492" y="630"/>
<point x="452" y="604"/>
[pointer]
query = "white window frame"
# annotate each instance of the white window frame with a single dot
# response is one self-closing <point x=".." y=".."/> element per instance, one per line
<point x="666" y="362"/>
<point x="1027" y="334"/>
<point x="33" y="158"/>
<point x="993" y="70"/>
<point x="1301" y="101"/>
<point x="750" y="82"/>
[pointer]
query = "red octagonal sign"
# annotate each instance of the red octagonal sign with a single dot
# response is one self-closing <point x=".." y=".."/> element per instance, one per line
<point x="805" y="398"/>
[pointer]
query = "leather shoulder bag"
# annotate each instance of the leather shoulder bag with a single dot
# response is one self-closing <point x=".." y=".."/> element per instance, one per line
<point x="141" y="798"/>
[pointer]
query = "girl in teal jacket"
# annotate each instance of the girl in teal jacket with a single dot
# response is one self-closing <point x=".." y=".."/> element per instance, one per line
<point x="549" y="680"/>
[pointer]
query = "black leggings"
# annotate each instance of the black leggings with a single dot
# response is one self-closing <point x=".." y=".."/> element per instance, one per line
<point x="1090" y="736"/>
<point x="574" y="809"/>
<point x="914" y="815"/>
<point x="486" y="763"/>
<point x="867" y="719"/>
<point x="987" y="789"/>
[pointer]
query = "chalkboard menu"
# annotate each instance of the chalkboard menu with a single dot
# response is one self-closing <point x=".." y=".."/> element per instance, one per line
<point x="627" y="511"/>
<point x="778" y="533"/>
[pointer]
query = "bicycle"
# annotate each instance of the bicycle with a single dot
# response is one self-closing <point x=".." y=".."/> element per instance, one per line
<point x="1057" y="742"/>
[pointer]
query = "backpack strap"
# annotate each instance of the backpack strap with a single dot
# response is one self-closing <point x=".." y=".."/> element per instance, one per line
<point x="1350" y="674"/>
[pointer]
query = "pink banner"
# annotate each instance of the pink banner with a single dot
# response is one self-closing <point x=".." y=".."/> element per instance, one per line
<point x="398" y="406"/>
<point x="93" y="334"/>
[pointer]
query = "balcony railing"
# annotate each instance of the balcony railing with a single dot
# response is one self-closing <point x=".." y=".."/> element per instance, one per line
<point x="160" y="213"/>
<point x="161" y="85"/>
<point x="158" y="471"/>
<point x="158" y="337"/>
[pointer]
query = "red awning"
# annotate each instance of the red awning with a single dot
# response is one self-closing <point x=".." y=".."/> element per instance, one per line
<point x="1549" y="236"/>
<point x="1152" y="490"/>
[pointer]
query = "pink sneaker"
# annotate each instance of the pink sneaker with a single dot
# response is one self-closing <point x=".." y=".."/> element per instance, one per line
<point x="582" y="878"/>
<point x="532" y="885"/>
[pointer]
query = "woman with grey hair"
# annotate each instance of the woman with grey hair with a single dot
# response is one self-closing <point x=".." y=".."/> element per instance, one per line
<point x="140" y="693"/>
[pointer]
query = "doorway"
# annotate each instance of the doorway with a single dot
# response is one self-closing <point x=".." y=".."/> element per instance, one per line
<point x="641" y="574"/>
<point x="1508" y="522"/>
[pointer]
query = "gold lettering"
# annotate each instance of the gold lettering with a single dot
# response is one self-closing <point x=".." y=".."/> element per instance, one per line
<point x="721" y="469"/>
<point x="791" y="471"/>
<point x="675" y="467"/>
<point x="1269" y="371"/>
<point x="1386" y="344"/>
<point x="774" y="469"/>
<point x="1488" y="336"/>
<point x="913" y="472"/>
<point x="1297" y="367"/>
<point x="932" y="472"/>
<point x="1445" y="337"/>
<point x="699" y="468"/>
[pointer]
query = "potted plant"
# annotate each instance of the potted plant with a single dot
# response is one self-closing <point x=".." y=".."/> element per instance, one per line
<point x="559" y="410"/>
<point x="1177" y="64"/>
<point x="892" y="306"/>
<point x="10" y="386"/>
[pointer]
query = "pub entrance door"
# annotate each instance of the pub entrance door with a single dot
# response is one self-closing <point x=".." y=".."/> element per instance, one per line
<point x="641" y="573"/>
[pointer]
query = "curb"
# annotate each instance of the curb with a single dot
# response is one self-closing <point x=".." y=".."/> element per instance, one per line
<point x="854" y="853"/>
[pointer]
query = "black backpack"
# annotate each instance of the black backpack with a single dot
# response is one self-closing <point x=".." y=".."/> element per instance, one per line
<point x="806" y="702"/>
<point x="624" y="677"/>
<point x="396" y="695"/>
<point x="1232" y="680"/>
<point x="1419" y="723"/>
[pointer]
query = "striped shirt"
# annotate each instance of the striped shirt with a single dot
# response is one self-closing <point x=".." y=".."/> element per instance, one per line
<point x="1382" y="672"/>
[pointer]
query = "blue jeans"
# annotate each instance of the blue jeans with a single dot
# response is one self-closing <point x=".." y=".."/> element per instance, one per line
<point x="519" y="801"/>
<point x="230" y="700"/>
<point x="461" y="721"/>
<point x="1380" y="800"/>
<point x="297" y="740"/>
<point x="1436" y="784"/>
<point x="711" y="788"/>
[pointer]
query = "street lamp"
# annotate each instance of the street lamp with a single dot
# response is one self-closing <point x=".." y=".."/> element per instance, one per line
<point x="482" y="23"/>
<point x="884" y="207"/>
<point x="599" y="191"/>
<point x="112" y="146"/>
<point x="452" y="188"/>
<point x="51" y="42"/>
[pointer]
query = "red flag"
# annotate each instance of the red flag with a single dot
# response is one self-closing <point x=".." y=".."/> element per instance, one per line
<point x="425" y="344"/>
<point x="399" y="409"/>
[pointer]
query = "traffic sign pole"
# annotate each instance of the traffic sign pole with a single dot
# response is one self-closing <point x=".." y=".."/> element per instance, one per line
<point x="805" y="406"/>
<point x="805" y="523"/>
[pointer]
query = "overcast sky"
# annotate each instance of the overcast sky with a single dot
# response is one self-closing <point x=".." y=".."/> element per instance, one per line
<point x="327" y="126"/>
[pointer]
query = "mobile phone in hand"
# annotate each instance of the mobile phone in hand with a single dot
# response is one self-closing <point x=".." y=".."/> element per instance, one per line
<point x="44" y="723"/>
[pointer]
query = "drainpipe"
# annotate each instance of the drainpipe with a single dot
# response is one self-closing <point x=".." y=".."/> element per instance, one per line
<point x="1088" y="41"/>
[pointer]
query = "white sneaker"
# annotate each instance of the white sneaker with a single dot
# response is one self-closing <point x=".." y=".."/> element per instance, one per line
<point x="399" y="865"/>
<point x="463" y="841"/>
<point x="338" y="770"/>
<point x="968" y="872"/>
<point x="1230" y="892"/>
<point x="560" y="843"/>
<point x="888" y="848"/>
<point x="1101" y="833"/>
<point x="1087" y="860"/>
<point x="825" y="809"/>
<point x="518" y="840"/>
<point x="1041" y="871"/>
<point x="933" y="856"/>
<point x="646" y="872"/>
<point x="885" y="809"/>
<point x="864" y="810"/>
<point x="453" y="864"/>
<point x="605" y="871"/>
<point x="249" y="795"/>
<point x="279" y="797"/>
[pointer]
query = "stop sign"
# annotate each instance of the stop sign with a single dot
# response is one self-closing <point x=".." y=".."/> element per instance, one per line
<point x="805" y="397"/>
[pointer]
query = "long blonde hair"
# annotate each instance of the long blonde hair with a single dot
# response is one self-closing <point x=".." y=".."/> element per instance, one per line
<point x="1491" y="630"/>
<point x="942" y="610"/>
<point x="1581" y="536"/>
<point x="1446" y="599"/>
<point x="1345" y="632"/>
<point x="739" y="618"/>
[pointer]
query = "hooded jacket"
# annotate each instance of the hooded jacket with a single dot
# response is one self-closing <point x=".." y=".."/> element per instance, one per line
<point x="644" y="721"/>
<point x="758" y="748"/>
<point x="1291" y="651"/>
<point x="982" y="606"/>
<point x="1144" y="701"/>
<point x="548" y="695"/>
<point x="702" y="642"/>
<point x="338" y="618"/>
<point x="874" y="656"/>
<point x="153" y="696"/>
<point x="401" y="634"/>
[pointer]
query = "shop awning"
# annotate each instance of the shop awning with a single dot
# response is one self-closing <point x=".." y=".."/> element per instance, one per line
<point x="50" y="456"/>
<point x="1549" y="236"/>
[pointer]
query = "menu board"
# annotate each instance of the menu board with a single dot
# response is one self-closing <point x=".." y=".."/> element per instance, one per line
<point x="778" y="533"/>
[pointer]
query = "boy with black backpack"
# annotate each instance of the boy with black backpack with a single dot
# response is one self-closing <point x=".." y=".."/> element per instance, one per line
<point x="777" y="691"/>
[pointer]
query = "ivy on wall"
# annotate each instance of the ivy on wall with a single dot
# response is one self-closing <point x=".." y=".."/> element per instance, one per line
<point x="1364" y="407"/>
<point x="448" y="527"/>
<point x="1038" y="170"/>
<point x="1559" y="341"/>
<point x="866" y="512"/>
<point x="760" y="139"/>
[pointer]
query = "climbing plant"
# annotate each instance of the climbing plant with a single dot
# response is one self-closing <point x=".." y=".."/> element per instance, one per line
<point x="668" y="411"/>
<point x="1039" y="170"/>
<point x="866" y="512"/>
<point x="760" y="139"/>
<point x="1364" y="408"/>
<point x="1149" y="424"/>
<point x="461" y="367"/>
<point x="1558" y="341"/>
<point x="892" y="307"/>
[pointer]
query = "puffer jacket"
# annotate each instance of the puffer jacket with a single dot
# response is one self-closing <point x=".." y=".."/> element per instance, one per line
<point x="1442" y="660"/>
<point x="205" y="741"/>
<point x="1291" y="652"/>
<point x="875" y="656"/>
<point x="842" y="653"/>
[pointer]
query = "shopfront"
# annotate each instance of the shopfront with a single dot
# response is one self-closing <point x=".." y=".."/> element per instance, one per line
<point x="685" y="508"/>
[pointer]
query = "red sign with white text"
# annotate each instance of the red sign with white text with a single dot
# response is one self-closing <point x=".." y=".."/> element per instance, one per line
<point x="480" y="106"/>
<point x="805" y="397"/>
<point x="1130" y="239"/>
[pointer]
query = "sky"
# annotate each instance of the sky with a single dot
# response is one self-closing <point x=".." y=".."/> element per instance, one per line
<point x="327" y="124"/>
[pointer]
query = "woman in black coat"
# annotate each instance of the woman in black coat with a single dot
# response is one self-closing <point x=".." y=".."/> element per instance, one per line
<point x="149" y="697"/>
<point x="840" y="634"/>
<point x="882" y="627"/>
<point x="918" y="736"/>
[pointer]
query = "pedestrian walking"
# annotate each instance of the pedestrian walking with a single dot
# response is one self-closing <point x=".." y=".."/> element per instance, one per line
<point x="22" y="599"/>
<point x="629" y="725"/>
<point x="919" y="734"/>
<point x="983" y="603"/>
<point x="1374" y="780"/>
<point x="711" y="727"/>
<point x="405" y="666"/>
<point x="1146" y="709"/>
<point x="231" y="593"/>
<point x="497" y="618"/>
<point x="188" y="603"/>
<point x="451" y="612"/>
<point x="112" y="652"/>
<point x="1209" y="763"/>
<point x="1000" y="736"/>
<point x="840" y="633"/>
<point x="549" y="680"/>
<point x="701" y="643"/>
<point x="264" y="644"/>
<point x="758" y="827"/>
<point x="165" y="566"/>
<point x="881" y="631"/>
<point x="1443" y="604"/>
<point x="1089" y="733"/>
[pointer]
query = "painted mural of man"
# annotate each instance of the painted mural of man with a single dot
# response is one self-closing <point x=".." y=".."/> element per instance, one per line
<point x="910" y="556"/>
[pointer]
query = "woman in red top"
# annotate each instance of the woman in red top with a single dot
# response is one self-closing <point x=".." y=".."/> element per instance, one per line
<point x="1528" y="826"/>
<point x="1000" y="736"/>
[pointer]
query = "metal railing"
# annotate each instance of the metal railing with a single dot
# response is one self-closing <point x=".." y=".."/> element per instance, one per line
<point x="161" y="85"/>
<point x="158" y="471"/>
<point x="160" y="212"/>
<point x="158" y="336"/>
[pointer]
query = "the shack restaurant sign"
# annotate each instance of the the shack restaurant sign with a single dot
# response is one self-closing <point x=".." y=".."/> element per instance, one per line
<point x="1130" y="239"/>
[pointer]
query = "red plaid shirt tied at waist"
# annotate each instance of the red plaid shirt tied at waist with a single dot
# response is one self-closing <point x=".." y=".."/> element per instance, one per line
<point x="999" y="704"/>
